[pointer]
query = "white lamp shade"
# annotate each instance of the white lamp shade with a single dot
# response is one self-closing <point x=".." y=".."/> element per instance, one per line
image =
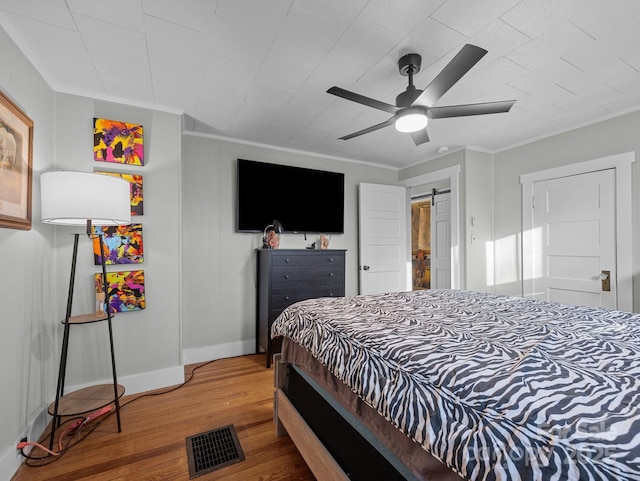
<point x="411" y="119"/>
<point x="73" y="198"/>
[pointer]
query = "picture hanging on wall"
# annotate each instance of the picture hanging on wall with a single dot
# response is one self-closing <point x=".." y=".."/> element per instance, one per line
<point x="125" y="290"/>
<point x="122" y="244"/>
<point x="135" y="182"/>
<point x="118" y="142"/>
<point x="16" y="152"/>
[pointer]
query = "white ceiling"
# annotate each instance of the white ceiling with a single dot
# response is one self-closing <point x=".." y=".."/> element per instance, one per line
<point x="258" y="70"/>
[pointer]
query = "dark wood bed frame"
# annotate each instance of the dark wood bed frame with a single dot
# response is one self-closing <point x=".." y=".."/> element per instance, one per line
<point x="331" y="446"/>
<point x="289" y="421"/>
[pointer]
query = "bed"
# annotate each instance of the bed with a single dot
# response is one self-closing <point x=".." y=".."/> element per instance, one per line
<point x="470" y="386"/>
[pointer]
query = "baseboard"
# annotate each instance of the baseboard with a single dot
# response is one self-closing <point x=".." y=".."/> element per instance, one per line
<point x="148" y="381"/>
<point x="218" y="351"/>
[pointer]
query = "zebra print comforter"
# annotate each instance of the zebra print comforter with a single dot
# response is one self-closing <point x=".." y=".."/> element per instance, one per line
<point x="497" y="388"/>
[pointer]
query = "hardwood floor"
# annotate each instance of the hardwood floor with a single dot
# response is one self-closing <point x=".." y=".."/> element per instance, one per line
<point x="152" y="445"/>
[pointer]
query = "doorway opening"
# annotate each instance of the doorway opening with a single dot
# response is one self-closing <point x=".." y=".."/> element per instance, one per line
<point x="420" y="243"/>
<point x="426" y="223"/>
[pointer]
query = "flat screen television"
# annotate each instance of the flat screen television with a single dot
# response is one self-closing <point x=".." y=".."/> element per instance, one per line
<point x="303" y="200"/>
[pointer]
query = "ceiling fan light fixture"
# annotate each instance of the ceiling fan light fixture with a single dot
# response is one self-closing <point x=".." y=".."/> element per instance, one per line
<point x="411" y="120"/>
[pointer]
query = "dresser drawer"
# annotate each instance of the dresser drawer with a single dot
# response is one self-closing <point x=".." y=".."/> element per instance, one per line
<point x="283" y="297"/>
<point x="311" y="275"/>
<point x="314" y="258"/>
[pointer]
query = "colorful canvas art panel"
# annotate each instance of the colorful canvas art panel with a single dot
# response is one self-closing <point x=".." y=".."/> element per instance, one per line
<point x="122" y="244"/>
<point x="118" y="142"/>
<point x="125" y="290"/>
<point x="135" y="182"/>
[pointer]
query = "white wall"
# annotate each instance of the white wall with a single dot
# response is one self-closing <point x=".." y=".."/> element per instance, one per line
<point x="146" y="340"/>
<point x="219" y="273"/>
<point x="479" y="220"/>
<point x="28" y="353"/>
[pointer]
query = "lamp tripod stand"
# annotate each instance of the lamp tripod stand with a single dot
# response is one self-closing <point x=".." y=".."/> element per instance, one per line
<point x="95" y="397"/>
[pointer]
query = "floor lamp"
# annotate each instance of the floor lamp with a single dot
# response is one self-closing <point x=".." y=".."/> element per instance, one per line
<point x="84" y="199"/>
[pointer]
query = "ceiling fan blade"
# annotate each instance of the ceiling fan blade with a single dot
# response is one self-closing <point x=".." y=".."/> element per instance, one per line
<point x="470" y="109"/>
<point x="361" y="99"/>
<point x="464" y="60"/>
<point x="369" y="129"/>
<point x="420" y="137"/>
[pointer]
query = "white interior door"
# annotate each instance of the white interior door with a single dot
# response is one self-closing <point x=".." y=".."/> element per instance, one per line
<point x="441" y="241"/>
<point x="575" y="217"/>
<point x="383" y="239"/>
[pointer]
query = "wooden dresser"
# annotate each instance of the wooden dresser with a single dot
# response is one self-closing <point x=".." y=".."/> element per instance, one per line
<point x="286" y="276"/>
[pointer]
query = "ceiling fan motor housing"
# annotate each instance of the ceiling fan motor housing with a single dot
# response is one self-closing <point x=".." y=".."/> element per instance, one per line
<point x="409" y="63"/>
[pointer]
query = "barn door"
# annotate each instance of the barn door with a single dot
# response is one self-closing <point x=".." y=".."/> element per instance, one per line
<point x="441" y="241"/>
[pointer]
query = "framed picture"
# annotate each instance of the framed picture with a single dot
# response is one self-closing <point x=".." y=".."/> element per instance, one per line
<point x="122" y="244"/>
<point x="137" y="197"/>
<point x="125" y="290"/>
<point x="119" y="142"/>
<point x="16" y="151"/>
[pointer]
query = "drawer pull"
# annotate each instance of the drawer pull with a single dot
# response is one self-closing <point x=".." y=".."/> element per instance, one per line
<point x="286" y="276"/>
<point x="330" y="274"/>
<point x="287" y="260"/>
<point x="330" y="259"/>
<point x="286" y="298"/>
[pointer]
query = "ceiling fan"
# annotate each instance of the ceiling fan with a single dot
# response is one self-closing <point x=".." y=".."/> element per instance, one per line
<point x="414" y="107"/>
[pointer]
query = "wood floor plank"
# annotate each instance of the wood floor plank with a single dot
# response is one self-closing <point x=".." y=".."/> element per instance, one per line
<point x="152" y="444"/>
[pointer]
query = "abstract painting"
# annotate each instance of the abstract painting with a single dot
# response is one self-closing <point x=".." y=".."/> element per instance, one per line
<point x="135" y="182"/>
<point x="125" y="290"/>
<point x="118" y="142"/>
<point x="122" y="244"/>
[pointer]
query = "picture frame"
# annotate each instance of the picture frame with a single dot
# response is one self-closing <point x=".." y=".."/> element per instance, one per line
<point x="16" y="165"/>
<point x="118" y="142"/>
<point x="125" y="291"/>
<point x="136" y="192"/>
<point x="122" y="244"/>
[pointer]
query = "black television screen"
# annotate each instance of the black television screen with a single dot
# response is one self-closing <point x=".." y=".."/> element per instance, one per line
<point x="303" y="200"/>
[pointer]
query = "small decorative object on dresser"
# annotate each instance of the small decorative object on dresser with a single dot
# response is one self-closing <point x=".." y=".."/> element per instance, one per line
<point x="273" y="241"/>
<point x="286" y="276"/>
<point x="271" y="235"/>
<point x="324" y="241"/>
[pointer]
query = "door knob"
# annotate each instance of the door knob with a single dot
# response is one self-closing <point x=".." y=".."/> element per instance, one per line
<point x="366" y="268"/>
<point x="605" y="279"/>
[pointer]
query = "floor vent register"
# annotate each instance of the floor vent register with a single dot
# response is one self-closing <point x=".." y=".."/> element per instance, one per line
<point x="213" y="450"/>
